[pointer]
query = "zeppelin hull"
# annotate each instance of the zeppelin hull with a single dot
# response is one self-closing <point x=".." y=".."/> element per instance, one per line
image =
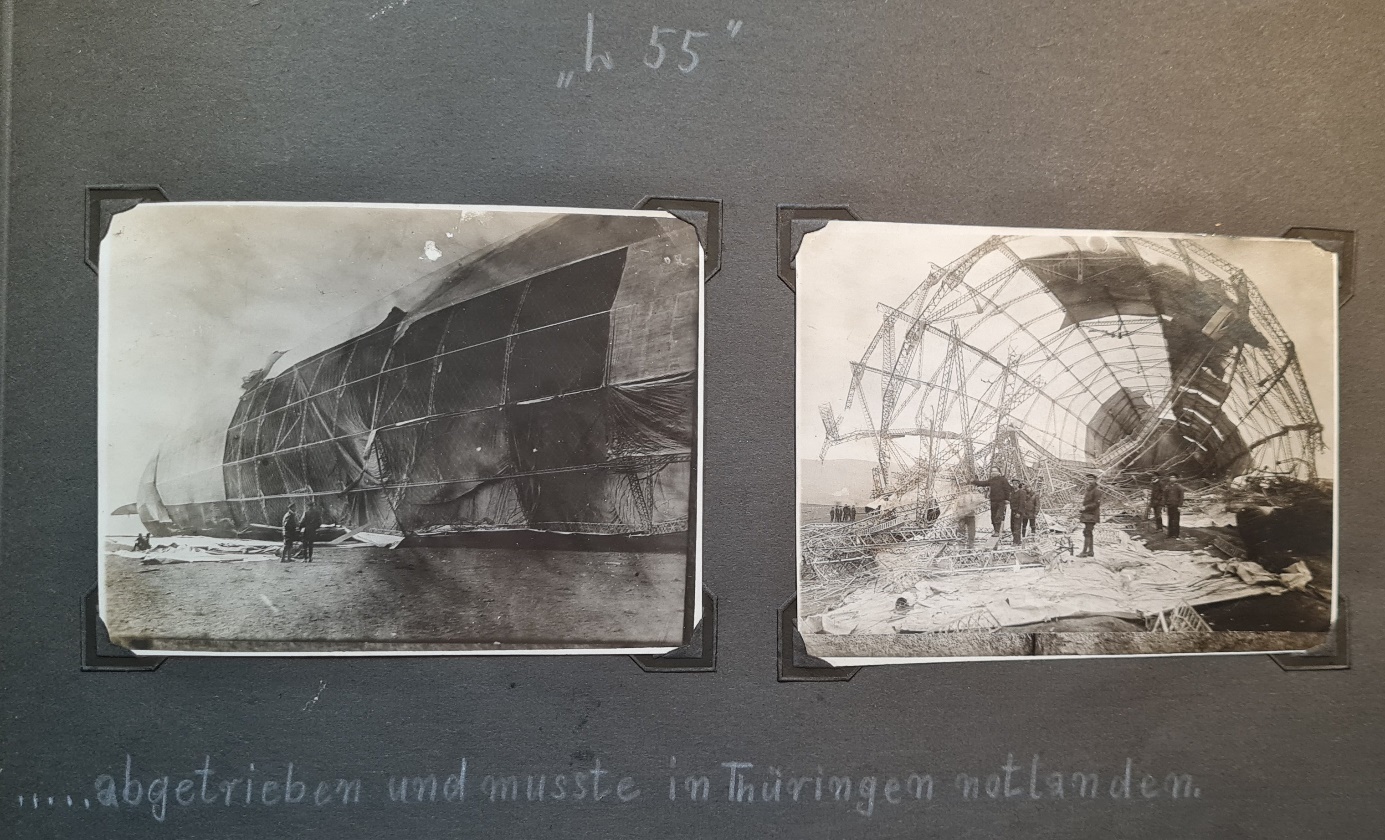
<point x="548" y="384"/>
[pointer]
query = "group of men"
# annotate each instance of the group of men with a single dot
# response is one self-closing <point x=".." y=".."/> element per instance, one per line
<point x="1166" y="496"/>
<point x="1021" y="499"/>
<point x="298" y="530"/>
<point x="843" y="513"/>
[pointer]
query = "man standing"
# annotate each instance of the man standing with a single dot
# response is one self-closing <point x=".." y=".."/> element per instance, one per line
<point x="1091" y="514"/>
<point x="1173" y="500"/>
<point x="1156" y="500"/>
<point x="1031" y="513"/>
<point x="312" y="520"/>
<point x="999" y="487"/>
<point x="290" y="526"/>
<point x="968" y="502"/>
<point x="1019" y="509"/>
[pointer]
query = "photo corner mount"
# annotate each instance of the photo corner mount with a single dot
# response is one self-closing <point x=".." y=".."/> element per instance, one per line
<point x="1332" y="655"/>
<point x="793" y="222"/>
<point x="102" y="203"/>
<point x="1343" y="244"/>
<point x="696" y="657"/>
<point x="795" y="664"/>
<point x="704" y="214"/>
<point x="99" y="653"/>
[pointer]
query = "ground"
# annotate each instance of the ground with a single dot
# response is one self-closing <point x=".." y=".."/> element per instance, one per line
<point x="1307" y="611"/>
<point x="853" y="604"/>
<point x="369" y="598"/>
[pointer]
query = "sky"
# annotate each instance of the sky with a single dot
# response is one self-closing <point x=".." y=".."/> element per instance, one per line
<point x="196" y="296"/>
<point x="846" y="268"/>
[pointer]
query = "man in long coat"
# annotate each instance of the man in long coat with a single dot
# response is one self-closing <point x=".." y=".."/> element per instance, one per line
<point x="1156" y="500"/>
<point x="1173" y="501"/>
<point x="1031" y="516"/>
<point x="1019" y="510"/>
<point x="290" y="526"/>
<point x="999" y="490"/>
<point x="312" y="520"/>
<point x="1091" y="514"/>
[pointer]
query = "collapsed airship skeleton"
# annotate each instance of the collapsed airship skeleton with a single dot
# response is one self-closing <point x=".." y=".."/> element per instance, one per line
<point x="1052" y="357"/>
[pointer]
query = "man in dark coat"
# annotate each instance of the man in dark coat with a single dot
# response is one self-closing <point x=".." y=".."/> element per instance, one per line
<point x="1019" y="509"/>
<point x="290" y="526"/>
<point x="1173" y="500"/>
<point x="999" y="490"/>
<point x="312" y="520"/>
<point x="1091" y="514"/>
<point x="1031" y="513"/>
<point x="1156" y="500"/>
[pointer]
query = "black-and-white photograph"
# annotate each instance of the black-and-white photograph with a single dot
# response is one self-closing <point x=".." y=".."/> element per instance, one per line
<point x="1018" y="442"/>
<point x="399" y="429"/>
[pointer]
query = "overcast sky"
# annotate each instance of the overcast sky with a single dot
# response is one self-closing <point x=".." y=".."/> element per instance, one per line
<point x="846" y="268"/>
<point x="196" y="296"/>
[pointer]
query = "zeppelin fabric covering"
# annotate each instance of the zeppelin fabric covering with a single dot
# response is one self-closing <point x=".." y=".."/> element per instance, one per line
<point x="548" y="383"/>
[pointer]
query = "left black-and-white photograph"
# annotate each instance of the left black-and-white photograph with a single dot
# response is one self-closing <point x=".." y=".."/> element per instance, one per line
<point x="338" y="428"/>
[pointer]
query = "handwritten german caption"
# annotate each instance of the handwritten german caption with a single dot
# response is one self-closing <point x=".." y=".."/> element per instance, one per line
<point x="592" y="783"/>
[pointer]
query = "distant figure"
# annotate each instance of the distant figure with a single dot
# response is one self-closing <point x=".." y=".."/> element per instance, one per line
<point x="1156" y="499"/>
<point x="312" y="520"/>
<point x="141" y="542"/>
<point x="1173" y="500"/>
<point x="999" y="487"/>
<point x="850" y="513"/>
<point x="1091" y="514"/>
<point x="1019" y="509"/>
<point x="290" y="526"/>
<point x="1031" y="513"/>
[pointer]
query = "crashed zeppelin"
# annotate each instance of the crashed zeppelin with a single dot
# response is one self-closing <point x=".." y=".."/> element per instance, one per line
<point x="547" y="383"/>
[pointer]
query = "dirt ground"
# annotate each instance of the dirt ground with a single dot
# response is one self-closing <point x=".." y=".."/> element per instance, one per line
<point x="419" y="598"/>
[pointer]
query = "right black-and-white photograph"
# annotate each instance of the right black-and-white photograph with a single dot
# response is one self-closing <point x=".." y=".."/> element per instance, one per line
<point x="1018" y="443"/>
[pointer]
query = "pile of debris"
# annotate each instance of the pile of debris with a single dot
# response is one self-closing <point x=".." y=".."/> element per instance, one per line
<point x="1027" y="596"/>
<point x="1040" y="581"/>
